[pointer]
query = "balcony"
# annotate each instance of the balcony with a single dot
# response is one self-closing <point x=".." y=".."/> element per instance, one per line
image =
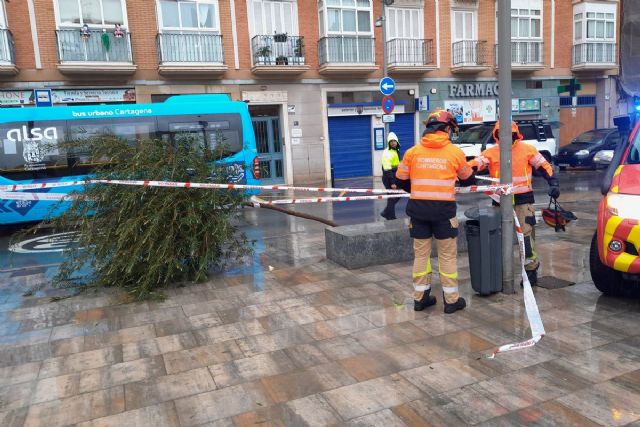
<point x="469" y="56"/>
<point x="192" y="53"/>
<point x="278" y="54"/>
<point x="595" y="56"/>
<point x="94" y="54"/>
<point x="525" y="56"/>
<point x="346" y="55"/>
<point x="410" y="56"/>
<point x="7" y="54"/>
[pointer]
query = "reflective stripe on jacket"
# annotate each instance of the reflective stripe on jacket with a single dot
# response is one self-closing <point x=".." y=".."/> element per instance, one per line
<point x="433" y="167"/>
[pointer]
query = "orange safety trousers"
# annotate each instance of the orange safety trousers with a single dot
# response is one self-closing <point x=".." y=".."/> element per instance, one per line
<point x="447" y="266"/>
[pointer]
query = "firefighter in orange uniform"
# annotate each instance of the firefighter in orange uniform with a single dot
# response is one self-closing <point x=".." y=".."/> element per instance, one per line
<point x="429" y="172"/>
<point x="525" y="158"/>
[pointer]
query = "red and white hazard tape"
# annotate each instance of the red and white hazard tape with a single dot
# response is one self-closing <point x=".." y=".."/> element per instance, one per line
<point x="173" y="184"/>
<point x="58" y="184"/>
<point x="11" y="195"/>
<point x="530" y="304"/>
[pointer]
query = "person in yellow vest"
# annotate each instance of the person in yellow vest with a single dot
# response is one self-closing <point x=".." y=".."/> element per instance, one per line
<point x="429" y="172"/>
<point x="524" y="159"/>
<point x="390" y="162"/>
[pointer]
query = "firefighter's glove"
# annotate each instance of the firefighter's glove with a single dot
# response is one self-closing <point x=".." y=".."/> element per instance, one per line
<point x="554" y="191"/>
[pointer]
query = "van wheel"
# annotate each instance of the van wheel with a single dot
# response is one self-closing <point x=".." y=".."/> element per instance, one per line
<point x="607" y="280"/>
<point x="547" y="156"/>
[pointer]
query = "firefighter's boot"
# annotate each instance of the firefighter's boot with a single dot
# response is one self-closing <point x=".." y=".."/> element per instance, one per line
<point x="532" y="275"/>
<point x="452" y="308"/>
<point x="426" y="301"/>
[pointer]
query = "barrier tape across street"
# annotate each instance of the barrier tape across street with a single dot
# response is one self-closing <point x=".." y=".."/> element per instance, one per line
<point x="13" y="192"/>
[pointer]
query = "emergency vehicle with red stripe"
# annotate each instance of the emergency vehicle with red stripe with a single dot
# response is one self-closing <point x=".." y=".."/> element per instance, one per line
<point x="614" y="256"/>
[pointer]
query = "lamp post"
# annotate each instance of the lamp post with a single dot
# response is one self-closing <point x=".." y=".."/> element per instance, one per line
<point x="504" y="82"/>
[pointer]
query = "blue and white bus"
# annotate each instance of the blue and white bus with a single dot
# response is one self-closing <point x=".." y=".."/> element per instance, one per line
<point x="29" y="137"/>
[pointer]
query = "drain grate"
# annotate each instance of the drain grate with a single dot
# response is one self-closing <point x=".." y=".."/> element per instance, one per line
<point x="552" y="282"/>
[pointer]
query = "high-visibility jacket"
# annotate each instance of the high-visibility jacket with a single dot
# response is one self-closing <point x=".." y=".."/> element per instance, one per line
<point x="524" y="159"/>
<point x="433" y="166"/>
<point x="390" y="159"/>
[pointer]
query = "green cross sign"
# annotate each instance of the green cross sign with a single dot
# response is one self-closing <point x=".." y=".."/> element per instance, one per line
<point x="573" y="87"/>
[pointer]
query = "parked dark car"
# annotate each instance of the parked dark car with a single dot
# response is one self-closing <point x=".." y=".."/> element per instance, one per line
<point x="580" y="152"/>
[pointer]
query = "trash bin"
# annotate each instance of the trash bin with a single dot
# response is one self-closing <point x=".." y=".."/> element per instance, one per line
<point x="485" y="249"/>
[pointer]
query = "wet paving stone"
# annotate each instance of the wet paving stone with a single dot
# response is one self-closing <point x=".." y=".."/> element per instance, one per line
<point x="308" y="343"/>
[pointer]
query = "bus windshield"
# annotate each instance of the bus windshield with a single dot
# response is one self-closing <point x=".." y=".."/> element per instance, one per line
<point x="34" y="149"/>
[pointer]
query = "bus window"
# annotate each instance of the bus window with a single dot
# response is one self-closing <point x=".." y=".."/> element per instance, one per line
<point x="30" y="149"/>
<point x="214" y="129"/>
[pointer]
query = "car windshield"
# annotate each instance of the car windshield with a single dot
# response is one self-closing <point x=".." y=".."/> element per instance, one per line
<point x="634" y="151"/>
<point x="474" y="135"/>
<point x="591" y="137"/>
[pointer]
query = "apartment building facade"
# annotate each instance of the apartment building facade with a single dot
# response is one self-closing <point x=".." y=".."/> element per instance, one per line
<point x="309" y="69"/>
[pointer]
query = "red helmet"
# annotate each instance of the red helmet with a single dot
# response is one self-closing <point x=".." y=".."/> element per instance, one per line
<point x="441" y="117"/>
<point x="515" y="131"/>
<point x="557" y="217"/>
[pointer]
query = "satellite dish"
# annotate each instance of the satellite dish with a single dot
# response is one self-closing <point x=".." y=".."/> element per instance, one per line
<point x="388" y="2"/>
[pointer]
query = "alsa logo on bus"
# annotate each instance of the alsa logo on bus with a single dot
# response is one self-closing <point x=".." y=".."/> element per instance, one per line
<point x="35" y="134"/>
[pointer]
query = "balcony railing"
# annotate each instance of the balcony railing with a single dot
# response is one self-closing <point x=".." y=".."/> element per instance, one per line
<point x="469" y="53"/>
<point x="279" y="49"/>
<point x="407" y="52"/>
<point x="346" y="50"/>
<point x="73" y="48"/>
<point x="7" y="47"/>
<point x="594" y="53"/>
<point x="525" y="53"/>
<point x="198" y="48"/>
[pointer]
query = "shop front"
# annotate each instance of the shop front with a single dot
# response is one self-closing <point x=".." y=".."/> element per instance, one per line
<point x="474" y="102"/>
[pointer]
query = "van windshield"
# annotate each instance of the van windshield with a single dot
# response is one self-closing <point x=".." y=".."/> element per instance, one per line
<point x="474" y="135"/>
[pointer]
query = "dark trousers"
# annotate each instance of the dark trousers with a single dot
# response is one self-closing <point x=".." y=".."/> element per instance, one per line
<point x="389" y="211"/>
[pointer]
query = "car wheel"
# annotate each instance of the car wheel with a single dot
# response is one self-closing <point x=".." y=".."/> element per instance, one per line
<point x="607" y="280"/>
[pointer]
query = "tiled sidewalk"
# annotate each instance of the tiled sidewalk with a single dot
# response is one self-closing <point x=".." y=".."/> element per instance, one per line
<point x="310" y="343"/>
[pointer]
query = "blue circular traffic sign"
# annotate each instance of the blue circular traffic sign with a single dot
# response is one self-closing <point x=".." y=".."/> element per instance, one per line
<point x="387" y="86"/>
<point x="388" y="104"/>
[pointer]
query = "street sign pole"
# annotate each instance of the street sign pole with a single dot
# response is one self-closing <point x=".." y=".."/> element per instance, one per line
<point x="384" y="57"/>
<point x="504" y="82"/>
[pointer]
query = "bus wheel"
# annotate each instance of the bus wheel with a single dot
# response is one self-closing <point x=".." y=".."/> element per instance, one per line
<point x="607" y="280"/>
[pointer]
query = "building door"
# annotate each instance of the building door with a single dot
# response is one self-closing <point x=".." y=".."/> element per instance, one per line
<point x="269" y="145"/>
<point x="350" y="146"/>
<point x="576" y="121"/>
<point x="404" y="128"/>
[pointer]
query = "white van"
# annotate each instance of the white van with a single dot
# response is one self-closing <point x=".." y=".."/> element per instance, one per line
<point x="478" y="138"/>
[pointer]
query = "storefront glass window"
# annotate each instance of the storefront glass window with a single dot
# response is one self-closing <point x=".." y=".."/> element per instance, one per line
<point x="91" y="12"/>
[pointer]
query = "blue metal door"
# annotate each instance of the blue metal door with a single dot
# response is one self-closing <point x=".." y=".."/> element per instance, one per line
<point x="269" y="145"/>
<point x="350" y="146"/>
<point x="404" y="129"/>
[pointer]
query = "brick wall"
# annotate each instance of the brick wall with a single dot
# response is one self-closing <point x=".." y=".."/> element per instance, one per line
<point x="144" y="27"/>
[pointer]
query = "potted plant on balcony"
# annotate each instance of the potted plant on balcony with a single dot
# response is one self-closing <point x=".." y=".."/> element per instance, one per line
<point x="263" y="55"/>
<point x="84" y="32"/>
<point x="282" y="60"/>
<point x="280" y="37"/>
